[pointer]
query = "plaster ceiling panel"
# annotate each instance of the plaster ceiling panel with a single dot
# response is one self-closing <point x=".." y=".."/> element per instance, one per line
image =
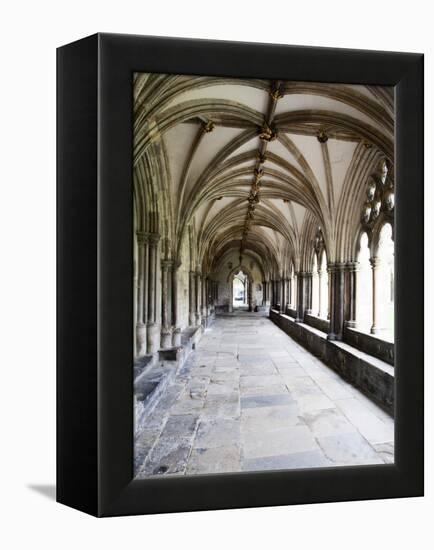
<point x="177" y="142"/>
<point x="250" y="146"/>
<point x="270" y="233"/>
<point x="340" y="154"/>
<point x="279" y="149"/>
<point x="218" y="206"/>
<point x="208" y="148"/>
<point x="282" y="207"/>
<point x="247" y="95"/>
<point x="299" y="213"/>
<point x="310" y="148"/>
<point x="301" y="102"/>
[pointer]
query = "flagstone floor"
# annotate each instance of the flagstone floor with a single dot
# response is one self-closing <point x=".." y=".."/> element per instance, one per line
<point x="249" y="398"/>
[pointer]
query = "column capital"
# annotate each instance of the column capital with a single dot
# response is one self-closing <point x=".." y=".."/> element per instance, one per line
<point x="153" y="238"/>
<point x="142" y="237"/>
<point x="375" y="262"/>
<point x="167" y="264"/>
<point x="352" y="266"/>
<point x="336" y="266"/>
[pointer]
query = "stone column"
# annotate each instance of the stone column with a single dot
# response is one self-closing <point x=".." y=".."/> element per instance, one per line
<point x="198" y="298"/>
<point x="337" y="272"/>
<point x="231" y="296"/>
<point x="153" y="336"/>
<point x="308" y="289"/>
<point x="142" y="290"/>
<point x="166" y="333"/>
<point x="176" y="329"/>
<point x="191" y="299"/>
<point x="301" y="297"/>
<point x="321" y="298"/>
<point x="204" y="308"/>
<point x="290" y="291"/>
<point x="287" y="294"/>
<point x="282" y="296"/>
<point x="264" y="293"/>
<point x="351" y="294"/>
<point x="378" y="297"/>
<point x="249" y="296"/>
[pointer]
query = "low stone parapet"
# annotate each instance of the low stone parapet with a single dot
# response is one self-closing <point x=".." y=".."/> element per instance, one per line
<point x="372" y="376"/>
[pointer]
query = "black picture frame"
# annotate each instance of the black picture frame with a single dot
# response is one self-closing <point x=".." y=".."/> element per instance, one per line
<point x="94" y="277"/>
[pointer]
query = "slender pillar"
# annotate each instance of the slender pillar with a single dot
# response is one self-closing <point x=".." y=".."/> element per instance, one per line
<point x="176" y="329"/>
<point x="287" y="294"/>
<point x="198" y="298"/>
<point x="337" y="272"/>
<point x="249" y="296"/>
<point x="153" y="336"/>
<point x="301" y="297"/>
<point x="231" y="296"/>
<point x="321" y="298"/>
<point x="166" y="274"/>
<point x="142" y="290"/>
<point x="192" y="297"/>
<point x="282" y="296"/>
<point x="351" y="319"/>
<point x="264" y="293"/>
<point x="378" y="297"/>
<point x="308" y="290"/>
<point x="204" y="309"/>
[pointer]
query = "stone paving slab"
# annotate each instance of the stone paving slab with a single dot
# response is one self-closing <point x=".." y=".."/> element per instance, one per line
<point x="281" y="441"/>
<point x="249" y="398"/>
<point x="307" y="459"/>
<point x="266" y="401"/>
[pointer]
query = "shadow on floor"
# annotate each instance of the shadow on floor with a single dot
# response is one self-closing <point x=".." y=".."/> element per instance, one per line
<point x="48" y="491"/>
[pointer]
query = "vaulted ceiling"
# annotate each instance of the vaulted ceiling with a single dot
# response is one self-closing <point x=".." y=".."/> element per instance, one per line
<point x="246" y="164"/>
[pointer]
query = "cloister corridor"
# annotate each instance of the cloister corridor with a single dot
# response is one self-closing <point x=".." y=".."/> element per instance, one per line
<point x="249" y="398"/>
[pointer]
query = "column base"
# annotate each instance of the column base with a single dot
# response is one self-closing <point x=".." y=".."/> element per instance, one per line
<point x="192" y="319"/>
<point x="141" y="332"/>
<point x="198" y="319"/>
<point x="176" y="337"/>
<point x="153" y="337"/>
<point x="166" y="338"/>
<point x="334" y="337"/>
<point x="351" y="324"/>
<point x="377" y="330"/>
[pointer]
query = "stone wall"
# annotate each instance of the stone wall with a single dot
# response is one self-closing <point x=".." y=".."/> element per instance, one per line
<point x="370" y="344"/>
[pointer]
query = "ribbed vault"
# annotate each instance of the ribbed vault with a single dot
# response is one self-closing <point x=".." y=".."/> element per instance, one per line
<point x="251" y="165"/>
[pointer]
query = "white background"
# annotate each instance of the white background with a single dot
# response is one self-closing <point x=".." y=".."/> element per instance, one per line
<point x="30" y="32"/>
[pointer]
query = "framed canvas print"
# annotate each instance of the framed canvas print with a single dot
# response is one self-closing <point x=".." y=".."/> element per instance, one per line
<point x="240" y="275"/>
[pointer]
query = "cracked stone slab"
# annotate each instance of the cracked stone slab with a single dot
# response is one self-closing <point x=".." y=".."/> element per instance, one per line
<point x="214" y="460"/>
<point x="307" y="459"/>
<point x="264" y="390"/>
<point x="266" y="400"/>
<point x="218" y="432"/>
<point x="328" y="422"/>
<point x="350" y="448"/>
<point x="282" y="441"/>
<point x="262" y="419"/>
<point x="180" y="425"/>
<point x="386" y="451"/>
<point x="168" y="456"/>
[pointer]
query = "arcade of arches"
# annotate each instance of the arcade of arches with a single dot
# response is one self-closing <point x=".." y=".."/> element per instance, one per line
<point x="266" y="205"/>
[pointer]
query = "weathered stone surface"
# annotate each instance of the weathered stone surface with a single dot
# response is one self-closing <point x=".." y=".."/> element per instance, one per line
<point x="307" y="459"/>
<point x="214" y="460"/>
<point x="281" y="441"/>
<point x="273" y="411"/>
<point x="349" y="448"/>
